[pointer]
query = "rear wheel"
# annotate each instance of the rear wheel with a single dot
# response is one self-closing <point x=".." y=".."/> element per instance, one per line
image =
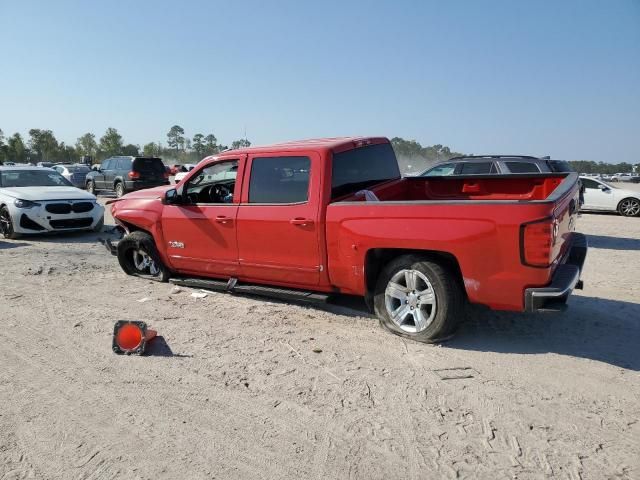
<point x="137" y="255"/>
<point x="419" y="298"/>
<point x="119" y="189"/>
<point x="6" y="224"/>
<point x="91" y="187"/>
<point x="629" y="207"/>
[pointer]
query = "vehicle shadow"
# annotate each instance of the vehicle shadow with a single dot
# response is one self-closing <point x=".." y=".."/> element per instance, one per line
<point x="593" y="328"/>
<point x="613" y="243"/>
<point x="8" y="245"/>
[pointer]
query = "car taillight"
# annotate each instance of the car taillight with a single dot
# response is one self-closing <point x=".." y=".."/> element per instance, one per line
<point x="536" y="244"/>
<point x="133" y="175"/>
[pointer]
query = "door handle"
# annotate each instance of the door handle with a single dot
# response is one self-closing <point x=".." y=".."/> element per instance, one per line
<point x="303" y="222"/>
<point x="222" y="219"/>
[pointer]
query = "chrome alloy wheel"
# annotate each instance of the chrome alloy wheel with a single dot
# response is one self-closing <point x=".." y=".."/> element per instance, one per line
<point x="410" y="301"/>
<point x="630" y="207"/>
<point x="143" y="262"/>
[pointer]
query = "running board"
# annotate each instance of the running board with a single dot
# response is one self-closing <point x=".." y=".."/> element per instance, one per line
<point x="232" y="286"/>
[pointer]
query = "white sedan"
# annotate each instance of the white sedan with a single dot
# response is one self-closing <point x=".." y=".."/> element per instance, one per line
<point x="599" y="195"/>
<point x="180" y="175"/>
<point x="38" y="200"/>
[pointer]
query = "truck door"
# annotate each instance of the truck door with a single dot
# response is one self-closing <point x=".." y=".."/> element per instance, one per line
<point x="201" y="231"/>
<point x="278" y="219"/>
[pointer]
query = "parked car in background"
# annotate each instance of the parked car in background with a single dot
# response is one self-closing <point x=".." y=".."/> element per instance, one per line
<point x="176" y="168"/>
<point x="180" y="175"/>
<point x="599" y="195"/>
<point x="125" y="174"/>
<point x="45" y="164"/>
<point x="326" y="216"/>
<point x="37" y="200"/>
<point x="496" y="164"/>
<point x="76" y="174"/>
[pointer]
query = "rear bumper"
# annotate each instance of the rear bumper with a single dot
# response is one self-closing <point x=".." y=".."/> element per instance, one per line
<point x="553" y="298"/>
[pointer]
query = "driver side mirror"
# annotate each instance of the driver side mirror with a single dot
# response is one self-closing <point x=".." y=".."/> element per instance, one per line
<point x="604" y="188"/>
<point x="172" y="197"/>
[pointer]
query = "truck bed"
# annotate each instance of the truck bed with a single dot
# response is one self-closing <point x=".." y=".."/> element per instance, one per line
<point x="478" y="220"/>
<point x="477" y="187"/>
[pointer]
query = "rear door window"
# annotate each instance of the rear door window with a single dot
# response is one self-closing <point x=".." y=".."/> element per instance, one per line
<point x="592" y="184"/>
<point x="279" y="180"/>
<point x="477" y="168"/>
<point x="522" y="167"/>
<point x="362" y="167"/>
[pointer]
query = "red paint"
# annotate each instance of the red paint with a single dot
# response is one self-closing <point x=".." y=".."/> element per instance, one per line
<point x="322" y="245"/>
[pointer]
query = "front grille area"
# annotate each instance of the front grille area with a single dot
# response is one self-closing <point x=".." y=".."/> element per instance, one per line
<point x="71" y="223"/>
<point x="65" y="208"/>
<point x="82" y="207"/>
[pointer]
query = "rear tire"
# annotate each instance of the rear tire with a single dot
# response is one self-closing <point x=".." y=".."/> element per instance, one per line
<point x="138" y="256"/>
<point x="119" y="189"/>
<point x="419" y="298"/>
<point x="91" y="187"/>
<point x="6" y="224"/>
<point x="629" y="207"/>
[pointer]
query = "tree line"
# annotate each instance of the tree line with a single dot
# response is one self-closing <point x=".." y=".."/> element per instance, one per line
<point x="42" y="146"/>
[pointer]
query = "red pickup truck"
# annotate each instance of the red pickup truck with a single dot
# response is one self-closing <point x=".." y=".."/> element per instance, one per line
<point x="313" y="218"/>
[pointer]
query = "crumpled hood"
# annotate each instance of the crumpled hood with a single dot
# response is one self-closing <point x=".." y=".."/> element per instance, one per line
<point x="47" y="193"/>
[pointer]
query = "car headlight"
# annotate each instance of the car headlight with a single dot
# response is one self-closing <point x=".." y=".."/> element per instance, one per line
<point x="25" y="203"/>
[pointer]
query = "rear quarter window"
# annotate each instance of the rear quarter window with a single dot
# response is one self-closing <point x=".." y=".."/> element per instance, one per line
<point x="279" y="180"/>
<point x="559" y="166"/>
<point x="123" y="164"/>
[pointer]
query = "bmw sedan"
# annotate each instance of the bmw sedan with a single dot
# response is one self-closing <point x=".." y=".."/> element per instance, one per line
<point x="38" y="200"/>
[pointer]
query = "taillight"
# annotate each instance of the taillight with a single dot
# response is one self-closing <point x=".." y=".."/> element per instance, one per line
<point x="536" y="242"/>
<point x="133" y="175"/>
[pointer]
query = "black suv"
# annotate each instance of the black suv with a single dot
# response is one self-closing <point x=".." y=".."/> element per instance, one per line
<point x="125" y="174"/>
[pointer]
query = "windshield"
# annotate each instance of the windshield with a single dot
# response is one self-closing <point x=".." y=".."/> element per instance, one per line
<point x="32" y="178"/>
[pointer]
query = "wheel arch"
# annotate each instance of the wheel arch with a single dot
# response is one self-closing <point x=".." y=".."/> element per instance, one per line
<point x="377" y="258"/>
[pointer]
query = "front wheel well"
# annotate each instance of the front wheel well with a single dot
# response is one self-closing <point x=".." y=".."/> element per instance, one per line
<point x="377" y="258"/>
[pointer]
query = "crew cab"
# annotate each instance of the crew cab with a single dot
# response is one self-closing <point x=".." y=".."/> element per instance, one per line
<point x="312" y="218"/>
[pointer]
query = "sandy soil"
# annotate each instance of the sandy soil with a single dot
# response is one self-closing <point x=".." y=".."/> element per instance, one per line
<point x="234" y="388"/>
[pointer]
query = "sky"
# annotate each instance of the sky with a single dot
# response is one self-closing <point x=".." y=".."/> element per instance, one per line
<point x="548" y="77"/>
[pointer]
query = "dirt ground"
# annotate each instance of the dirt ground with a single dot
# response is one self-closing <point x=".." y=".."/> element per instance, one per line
<point x="234" y="388"/>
